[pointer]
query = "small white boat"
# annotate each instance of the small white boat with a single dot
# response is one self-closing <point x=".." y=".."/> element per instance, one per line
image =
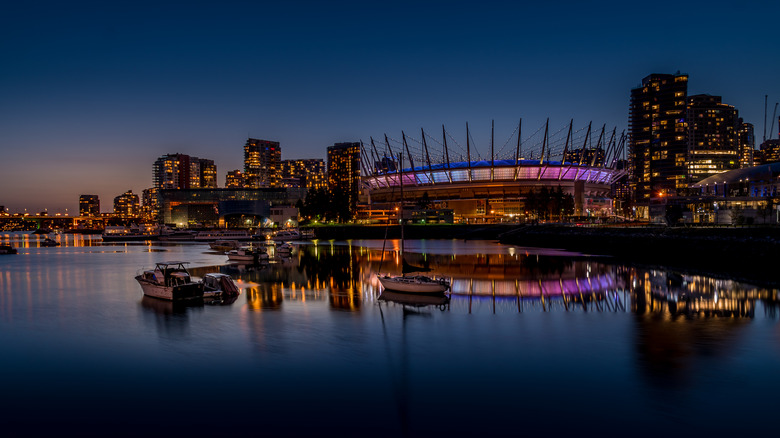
<point x="225" y="245"/>
<point x="247" y="254"/>
<point x="414" y="284"/>
<point x="219" y="286"/>
<point x="169" y="281"/>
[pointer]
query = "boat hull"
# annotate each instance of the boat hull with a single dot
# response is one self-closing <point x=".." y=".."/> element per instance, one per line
<point x="173" y="293"/>
<point x="411" y="285"/>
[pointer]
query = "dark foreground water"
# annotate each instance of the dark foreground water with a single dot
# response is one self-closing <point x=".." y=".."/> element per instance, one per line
<point x="529" y="342"/>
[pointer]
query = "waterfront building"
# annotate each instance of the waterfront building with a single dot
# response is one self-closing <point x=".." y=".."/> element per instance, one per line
<point x="769" y="151"/>
<point x="261" y="164"/>
<point x="229" y="207"/>
<point x="127" y="205"/>
<point x="89" y="205"/>
<point x="746" y="141"/>
<point x="307" y="173"/>
<point x="713" y="143"/>
<point x="658" y="137"/>
<point x="344" y="161"/>
<point x="742" y="196"/>
<point x="234" y="179"/>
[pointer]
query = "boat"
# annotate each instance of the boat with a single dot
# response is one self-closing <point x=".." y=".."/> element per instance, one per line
<point x="224" y="245"/>
<point x="7" y="249"/>
<point x="286" y="235"/>
<point x="284" y="250"/>
<point x="410" y="283"/>
<point x="206" y="236"/>
<point x="249" y="253"/>
<point x="170" y="281"/>
<point x="49" y="242"/>
<point x="219" y="286"/>
<point x="179" y="236"/>
<point x="131" y="233"/>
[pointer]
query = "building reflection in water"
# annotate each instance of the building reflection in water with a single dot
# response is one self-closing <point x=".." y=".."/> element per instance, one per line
<point x="345" y="276"/>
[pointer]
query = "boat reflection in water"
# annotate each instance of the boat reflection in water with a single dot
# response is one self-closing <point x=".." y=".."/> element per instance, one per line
<point x="415" y="300"/>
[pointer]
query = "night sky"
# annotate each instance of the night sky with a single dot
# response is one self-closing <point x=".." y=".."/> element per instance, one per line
<point x="92" y="93"/>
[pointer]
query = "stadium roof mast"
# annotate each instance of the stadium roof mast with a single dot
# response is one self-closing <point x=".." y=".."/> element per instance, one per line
<point x="544" y="144"/>
<point x="468" y="151"/>
<point x="427" y="156"/>
<point x="406" y="145"/>
<point x="566" y="148"/>
<point x="446" y="149"/>
<point x="446" y="153"/>
<point x="517" y="153"/>
<point x="492" y="155"/>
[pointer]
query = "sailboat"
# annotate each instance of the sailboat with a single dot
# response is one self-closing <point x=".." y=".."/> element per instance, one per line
<point x="410" y="283"/>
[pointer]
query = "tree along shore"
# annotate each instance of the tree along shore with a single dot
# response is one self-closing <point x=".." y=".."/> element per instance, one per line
<point x="747" y="254"/>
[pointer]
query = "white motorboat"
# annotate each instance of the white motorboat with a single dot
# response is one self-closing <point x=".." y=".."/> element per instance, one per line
<point x="247" y="254"/>
<point x="286" y="235"/>
<point x="219" y="286"/>
<point x="225" y="245"/>
<point x="170" y="281"/>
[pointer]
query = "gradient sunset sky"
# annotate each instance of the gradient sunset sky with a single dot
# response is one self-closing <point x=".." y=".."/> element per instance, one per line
<point x="91" y="93"/>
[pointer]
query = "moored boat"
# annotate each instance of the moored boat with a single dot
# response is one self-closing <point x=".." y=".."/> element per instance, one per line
<point x="169" y="281"/>
<point x="49" y="242"/>
<point x="132" y="233"/>
<point x="286" y="235"/>
<point x="225" y="245"/>
<point x="7" y="249"/>
<point x="284" y="249"/>
<point x="205" y="236"/>
<point x="409" y="283"/>
<point x="219" y="286"/>
<point x="249" y="253"/>
<point x="414" y="284"/>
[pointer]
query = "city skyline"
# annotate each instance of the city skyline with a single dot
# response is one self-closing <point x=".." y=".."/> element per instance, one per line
<point x="94" y="94"/>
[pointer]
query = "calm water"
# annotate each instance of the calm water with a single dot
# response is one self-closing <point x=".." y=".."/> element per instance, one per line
<point x="530" y="341"/>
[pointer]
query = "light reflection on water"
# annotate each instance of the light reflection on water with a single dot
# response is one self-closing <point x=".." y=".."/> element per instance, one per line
<point x="528" y="338"/>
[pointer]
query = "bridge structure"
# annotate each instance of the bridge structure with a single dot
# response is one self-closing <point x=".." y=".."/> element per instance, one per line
<point x="29" y="222"/>
<point x="584" y="163"/>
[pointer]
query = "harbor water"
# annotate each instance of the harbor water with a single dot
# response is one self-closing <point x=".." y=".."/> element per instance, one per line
<point x="529" y="341"/>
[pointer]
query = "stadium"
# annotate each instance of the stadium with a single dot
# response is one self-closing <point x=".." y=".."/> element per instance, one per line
<point x="444" y="175"/>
